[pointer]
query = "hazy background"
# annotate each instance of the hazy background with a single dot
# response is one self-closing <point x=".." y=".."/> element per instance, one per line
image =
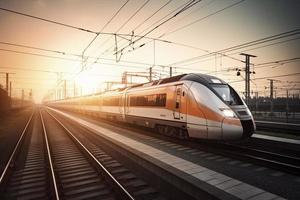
<point x="247" y="21"/>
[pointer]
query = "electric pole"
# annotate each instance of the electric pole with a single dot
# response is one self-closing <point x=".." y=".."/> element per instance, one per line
<point x="7" y="77"/>
<point x="271" y="93"/>
<point x="171" y="71"/>
<point x="247" y="76"/>
<point x="10" y="89"/>
<point x="7" y="80"/>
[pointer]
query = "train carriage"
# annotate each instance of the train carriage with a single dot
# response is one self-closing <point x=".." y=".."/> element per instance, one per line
<point x="188" y="105"/>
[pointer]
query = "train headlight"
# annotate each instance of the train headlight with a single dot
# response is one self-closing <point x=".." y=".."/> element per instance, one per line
<point x="228" y="113"/>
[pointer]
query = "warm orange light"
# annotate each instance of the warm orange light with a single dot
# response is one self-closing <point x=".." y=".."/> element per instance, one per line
<point x="88" y="82"/>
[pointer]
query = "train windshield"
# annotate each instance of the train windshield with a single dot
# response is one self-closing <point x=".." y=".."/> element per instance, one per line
<point x="228" y="95"/>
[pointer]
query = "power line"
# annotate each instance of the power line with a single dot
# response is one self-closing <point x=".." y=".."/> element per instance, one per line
<point x="35" y="70"/>
<point x="38" y="48"/>
<point x="263" y="40"/>
<point x="41" y="55"/>
<point x="180" y="7"/>
<point x="197" y="10"/>
<point x="75" y="60"/>
<point x="139" y="25"/>
<point x="243" y="45"/>
<point x="189" y="5"/>
<point x="115" y="34"/>
<point x="109" y="21"/>
<point x="49" y="21"/>
<point x="278" y="76"/>
<point x="263" y="46"/>
<point x="143" y="22"/>
<point x="245" y="50"/>
<point x="201" y="19"/>
<point x="138" y="10"/>
<point x="277" y="62"/>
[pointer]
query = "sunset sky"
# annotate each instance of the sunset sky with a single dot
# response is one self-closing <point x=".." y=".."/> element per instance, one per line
<point x="208" y="26"/>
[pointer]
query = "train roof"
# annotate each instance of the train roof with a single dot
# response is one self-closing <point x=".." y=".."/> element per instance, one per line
<point x="196" y="77"/>
<point x="202" y="78"/>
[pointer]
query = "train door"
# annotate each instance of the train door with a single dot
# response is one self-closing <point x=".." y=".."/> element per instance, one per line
<point x="177" y="108"/>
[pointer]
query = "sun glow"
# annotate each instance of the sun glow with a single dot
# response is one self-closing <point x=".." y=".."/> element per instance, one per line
<point x="88" y="82"/>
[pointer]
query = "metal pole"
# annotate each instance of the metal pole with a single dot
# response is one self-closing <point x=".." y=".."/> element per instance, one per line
<point x="256" y="102"/>
<point x="7" y="74"/>
<point x="271" y="95"/>
<point x="10" y="89"/>
<point x="247" y="76"/>
<point x="247" y="83"/>
<point x="171" y="70"/>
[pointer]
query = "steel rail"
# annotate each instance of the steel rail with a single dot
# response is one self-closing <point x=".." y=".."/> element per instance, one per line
<point x="10" y="162"/>
<point x="278" y="127"/>
<point x="54" y="184"/>
<point x="286" y="163"/>
<point x="116" y="185"/>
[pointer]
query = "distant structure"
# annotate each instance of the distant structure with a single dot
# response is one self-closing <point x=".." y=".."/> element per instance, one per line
<point x="5" y="101"/>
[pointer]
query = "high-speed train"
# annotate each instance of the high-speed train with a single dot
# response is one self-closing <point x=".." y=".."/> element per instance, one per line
<point x="184" y="106"/>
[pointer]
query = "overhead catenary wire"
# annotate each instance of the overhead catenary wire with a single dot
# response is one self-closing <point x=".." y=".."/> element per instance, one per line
<point x="202" y="18"/>
<point x="186" y="16"/>
<point x="266" y="77"/>
<point x="75" y="60"/>
<point x="33" y="70"/>
<point x="36" y="48"/>
<point x="159" y="9"/>
<point x="63" y="24"/>
<point x="247" y="50"/>
<point x="79" y="56"/>
<point x="109" y="21"/>
<point x="277" y="62"/>
<point x="115" y="33"/>
<point x="189" y="5"/>
<point x="139" y="25"/>
<point x="205" y="17"/>
<point x="48" y="20"/>
<point x="243" y="45"/>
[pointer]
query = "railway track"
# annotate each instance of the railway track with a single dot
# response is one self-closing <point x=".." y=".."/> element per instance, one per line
<point x="287" y="162"/>
<point x="137" y="187"/>
<point x="261" y="156"/>
<point x="278" y="127"/>
<point x="50" y="162"/>
<point x="78" y="172"/>
<point x="25" y="175"/>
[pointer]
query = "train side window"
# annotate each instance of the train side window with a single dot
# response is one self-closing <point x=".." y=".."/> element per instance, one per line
<point x="183" y="93"/>
<point x="177" y="105"/>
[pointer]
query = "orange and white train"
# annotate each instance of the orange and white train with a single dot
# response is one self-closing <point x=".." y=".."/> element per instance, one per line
<point x="184" y="106"/>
